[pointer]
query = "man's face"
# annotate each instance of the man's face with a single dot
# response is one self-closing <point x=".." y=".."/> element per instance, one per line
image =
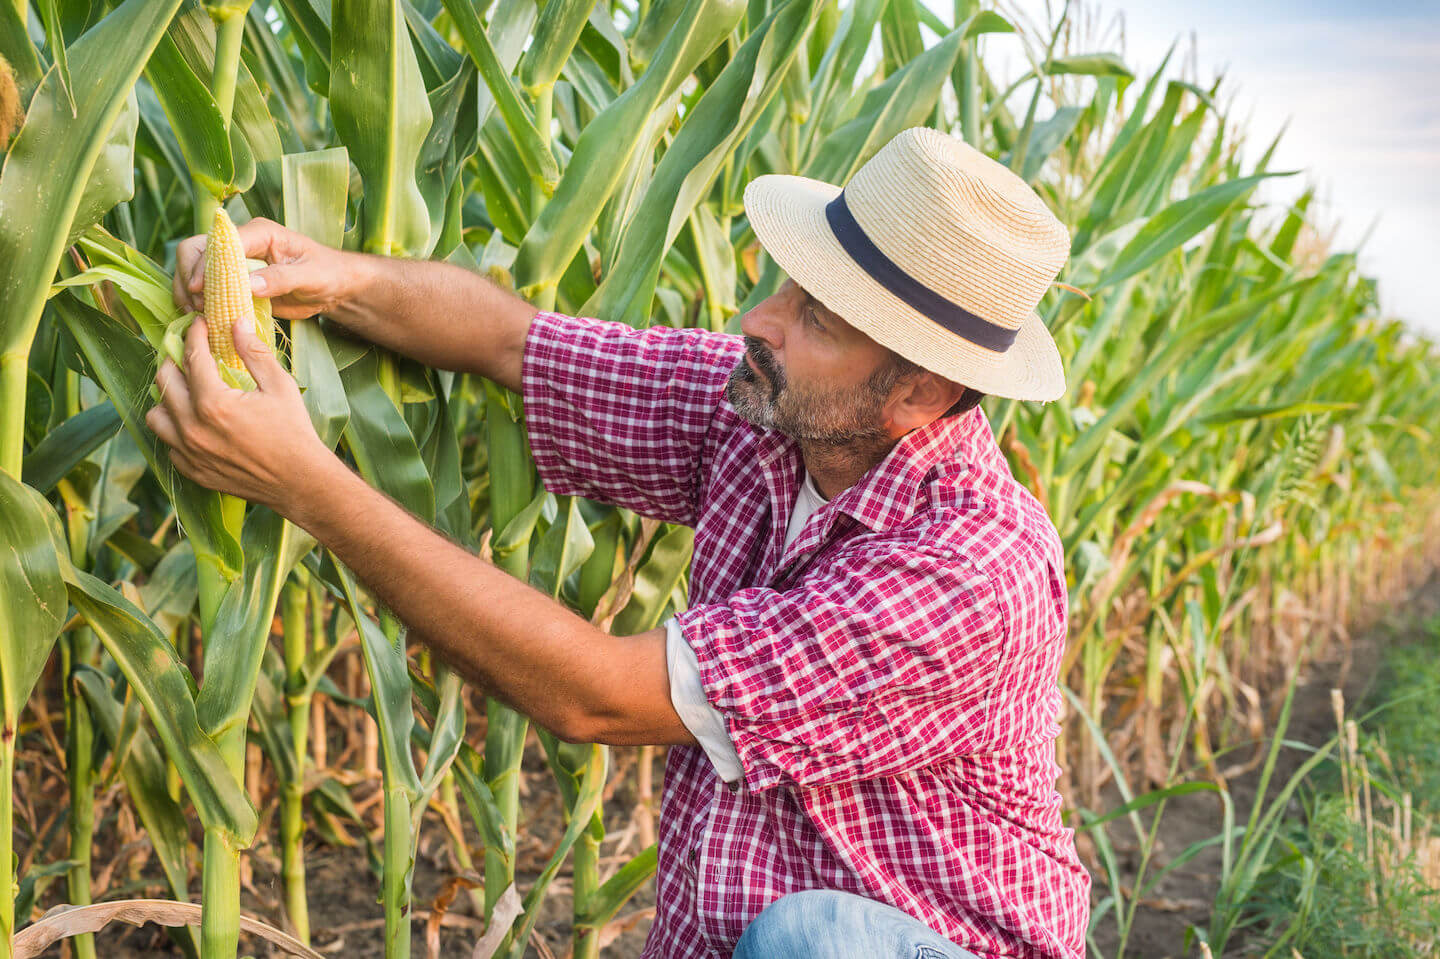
<point x="819" y="379"/>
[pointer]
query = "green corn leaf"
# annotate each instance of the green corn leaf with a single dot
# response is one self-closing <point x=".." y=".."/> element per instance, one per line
<point x="310" y="22"/>
<point x="668" y="560"/>
<point x="617" y="890"/>
<point x="482" y="805"/>
<point x="652" y="30"/>
<point x="253" y="140"/>
<point x="1167" y="230"/>
<point x="68" y="444"/>
<point x="555" y="36"/>
<point x="904" y="100"/>
<point x="565" y="545"/>
<point x="610" y="140"/>
<point x="170" y="590"/>
<point x="441" y="452"/>
<point x="1046" y="138"/>
<point x="381" y="440"/>
<point x="145" y="780"/>
<point x="605" y="558"/>
<point x="163" y="685"/>
<point x="446" y="738"/>
<point x="716" y="125"/>
<point x="900" y="34"/>
<point x="1274" y="411"/>
<point x="18" y="51"/>
<point x="194" y="118"/>
<point x="1089" y="64"/>
<point x="587" y="800"/>
<point x="235" y="642"/>
<point x="55" y="45"/>
<point x="390" y="685"/>
<point x="834" y="78"/>
<point x="32" y="590"/>
<point x="268" y="711"/>
<point x="378" y="102"/>
<point x="531" y="142"/>
<point x="315" y="188"/>
<point x="45" y="182"/>
<point x="124" y="365"/>
<point x="516" y="533"/>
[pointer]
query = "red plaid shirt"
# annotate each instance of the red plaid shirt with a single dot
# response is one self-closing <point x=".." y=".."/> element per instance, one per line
<point x="888" y="681"/>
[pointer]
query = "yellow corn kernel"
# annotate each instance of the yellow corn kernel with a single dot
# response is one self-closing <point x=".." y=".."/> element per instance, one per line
<point x="227" y="289"/>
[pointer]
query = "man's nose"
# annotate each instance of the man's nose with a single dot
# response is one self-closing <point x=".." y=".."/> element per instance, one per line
<point x="765" y="322"/>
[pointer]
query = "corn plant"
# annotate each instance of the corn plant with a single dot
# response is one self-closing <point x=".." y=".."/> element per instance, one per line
<point x="593" y="156"/>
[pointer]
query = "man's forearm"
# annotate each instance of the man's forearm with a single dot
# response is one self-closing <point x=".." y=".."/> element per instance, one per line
<point x="440" y="314"/>
<point x="516" y="643"/>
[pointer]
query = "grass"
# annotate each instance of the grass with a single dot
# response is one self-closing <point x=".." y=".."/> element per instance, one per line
<point x="1356" y="874"/>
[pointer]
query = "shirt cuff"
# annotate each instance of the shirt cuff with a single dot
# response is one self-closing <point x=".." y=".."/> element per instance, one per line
<point x="687" y="695"/>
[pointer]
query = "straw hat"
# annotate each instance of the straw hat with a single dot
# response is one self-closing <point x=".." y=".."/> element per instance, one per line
<point x="933" y="250"/>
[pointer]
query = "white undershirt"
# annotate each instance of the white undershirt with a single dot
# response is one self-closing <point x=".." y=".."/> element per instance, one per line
<point x="687" y="694"/>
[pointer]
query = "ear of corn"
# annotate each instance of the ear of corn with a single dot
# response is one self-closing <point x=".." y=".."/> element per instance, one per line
<point x="228" y="300"/>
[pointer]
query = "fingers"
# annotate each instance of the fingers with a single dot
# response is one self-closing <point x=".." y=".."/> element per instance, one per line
<point x="259" y="359"/>
<point x="163" y="425"/>
<point x="264" y="239"/>
<point x="204" y="378"/>
<point x="175" y="397"/>
<point x="261" y="238"/>
<point x="274" y="280"/>
<point x="188" y="284"/>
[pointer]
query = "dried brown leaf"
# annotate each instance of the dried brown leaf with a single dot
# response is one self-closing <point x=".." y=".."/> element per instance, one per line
<point x="65" y="921"/>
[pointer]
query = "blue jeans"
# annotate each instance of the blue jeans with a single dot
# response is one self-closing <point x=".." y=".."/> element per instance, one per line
<point x="825" y="924"/>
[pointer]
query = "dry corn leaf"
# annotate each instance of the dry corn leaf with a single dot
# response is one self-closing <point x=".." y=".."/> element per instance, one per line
<point x="507" y="908"/>
<point x="65" y="921"/>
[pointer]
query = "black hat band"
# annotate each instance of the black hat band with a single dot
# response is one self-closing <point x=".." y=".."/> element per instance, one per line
<point x="884" y="271"/>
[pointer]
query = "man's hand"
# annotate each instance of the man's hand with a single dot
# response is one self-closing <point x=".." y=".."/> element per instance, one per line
<point x="257" y="445"/>
<point x="304" y="277"/>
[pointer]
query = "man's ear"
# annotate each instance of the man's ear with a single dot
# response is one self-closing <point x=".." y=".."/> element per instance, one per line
<point x="923" y="399"/>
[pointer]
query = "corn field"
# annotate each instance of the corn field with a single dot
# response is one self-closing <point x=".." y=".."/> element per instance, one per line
<point x="1243" y="467"/>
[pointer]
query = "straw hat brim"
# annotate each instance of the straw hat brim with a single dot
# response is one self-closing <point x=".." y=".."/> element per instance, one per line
<point x="788" y="216"/>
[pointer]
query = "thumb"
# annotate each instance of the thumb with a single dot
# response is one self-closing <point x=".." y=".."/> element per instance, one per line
<point x="258" y="357"/>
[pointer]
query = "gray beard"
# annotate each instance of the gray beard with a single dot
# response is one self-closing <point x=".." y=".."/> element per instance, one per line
<point x="844" y="447"/>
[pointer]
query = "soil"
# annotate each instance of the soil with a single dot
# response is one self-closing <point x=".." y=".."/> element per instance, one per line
<point x="346" y="918"/>
<point x="1185" y="897"/>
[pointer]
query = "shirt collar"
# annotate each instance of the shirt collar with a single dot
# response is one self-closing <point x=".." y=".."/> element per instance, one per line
<point x="889" y="493"/>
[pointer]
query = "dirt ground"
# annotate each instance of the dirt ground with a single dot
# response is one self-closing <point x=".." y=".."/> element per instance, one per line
<point x="346" y="918"/>
<point x="1186" y="896"/>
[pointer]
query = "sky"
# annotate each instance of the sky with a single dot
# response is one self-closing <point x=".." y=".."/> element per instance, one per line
<point x="1358" y="83"/>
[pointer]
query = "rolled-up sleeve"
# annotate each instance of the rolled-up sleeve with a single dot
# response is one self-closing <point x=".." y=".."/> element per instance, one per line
<point x="704" y="721"/>
<point x="883" y="665"/>
<point x="623" y="416"/>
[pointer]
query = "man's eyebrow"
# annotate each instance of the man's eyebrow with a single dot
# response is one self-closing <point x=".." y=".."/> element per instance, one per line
<point x="820" y="308"/>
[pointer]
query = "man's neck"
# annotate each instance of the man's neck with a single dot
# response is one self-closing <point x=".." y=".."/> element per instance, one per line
<point x="836" y="469"/>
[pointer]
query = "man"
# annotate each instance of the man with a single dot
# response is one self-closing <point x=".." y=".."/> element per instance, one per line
<point x="862" y="695"/>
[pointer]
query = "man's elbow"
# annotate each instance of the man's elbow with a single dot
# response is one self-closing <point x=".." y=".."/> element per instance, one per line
<point x="620" y="729"/>
<point x="581" y="725"/>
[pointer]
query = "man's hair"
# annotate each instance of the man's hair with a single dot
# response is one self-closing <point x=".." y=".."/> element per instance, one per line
<point x="899" y="368"/>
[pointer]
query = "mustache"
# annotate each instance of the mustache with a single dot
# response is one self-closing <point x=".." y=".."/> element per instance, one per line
<point x="765" y="360"/>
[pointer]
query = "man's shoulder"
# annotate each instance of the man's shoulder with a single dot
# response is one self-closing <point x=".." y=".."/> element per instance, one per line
<point x="724" y="347"/>
<point x="988" y="517"/>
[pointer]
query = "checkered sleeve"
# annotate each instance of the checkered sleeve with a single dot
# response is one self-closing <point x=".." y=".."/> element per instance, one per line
<point x="623" y="416"/>
<point x="884" y="665"/>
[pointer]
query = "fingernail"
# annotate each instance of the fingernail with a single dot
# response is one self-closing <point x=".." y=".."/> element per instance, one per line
<point x="257" y="284"/>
